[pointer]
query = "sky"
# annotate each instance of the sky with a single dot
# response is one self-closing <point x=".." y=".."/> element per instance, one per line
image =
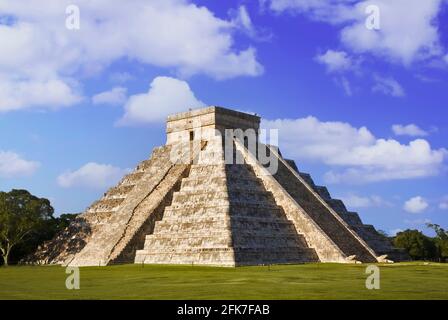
<point x="357" y="90"/>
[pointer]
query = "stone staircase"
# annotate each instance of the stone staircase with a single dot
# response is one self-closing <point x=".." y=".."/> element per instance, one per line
<point x="380" y="244"/>
<point x="377" y="242"/>
<point x="300" y="190"/>
<point x="184" y="205"/>
<point x="222" y="215"/>
<point x="111" y="229"/>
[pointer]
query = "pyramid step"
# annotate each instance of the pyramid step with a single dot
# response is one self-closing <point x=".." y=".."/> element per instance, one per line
<point x="198" y="201"/>
<point x="215" y="183"/>
<point x="120" y="191"/>
<point x="352" y="218"/>
<point x="265" y="256"/>
<point x="219" y="170"/>
<point x="99" y="217"/>
<point x="106" y="205"/>
<point x="205" y="185"/>
<point x="224" y="219"/>
<point x="183" y="241"/>
<point x="217" y="256"/>
<point x="234" y="195"/>
<point x="223" y="238"/>
<point x="208" y="183"/>
<point x="207" y="170"/>
<point x="247" y="210"/>
<point x="132" y="179"/>
<point x="176" y="231"/>
<point x="323" y="192"/>
<point x="245" y="225"/>
<point x="199" y="196"/>
<point x="228" y="256"/>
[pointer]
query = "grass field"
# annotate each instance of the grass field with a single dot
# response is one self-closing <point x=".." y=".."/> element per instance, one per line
<point x="308" y="281"/>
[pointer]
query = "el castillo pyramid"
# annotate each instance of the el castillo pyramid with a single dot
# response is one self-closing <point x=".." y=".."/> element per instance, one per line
<point x="187" y="204"/>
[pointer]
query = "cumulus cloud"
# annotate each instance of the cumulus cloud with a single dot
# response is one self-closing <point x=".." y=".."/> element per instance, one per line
<point x="335" y="60"/>
<point x="115" y="96"/>
<point x="336" y="63"/>
<point x="408" y="130"/>
<point x="242" y="19"/>
<point x="408" y="30"/>
<point x="43" y="94"/>
<point x="415" y="205"/>
<point x="165" y="96"/>
<point x="361" y="156"/>
<point x="37" y="50"/>
<point x="13" y="165"/>
<point x="388" y="86"/>
<point x="354" y="201"/>
<point x="92" y="175"/>
<point x="444" y="204"/>
<point x="402" y="37"/>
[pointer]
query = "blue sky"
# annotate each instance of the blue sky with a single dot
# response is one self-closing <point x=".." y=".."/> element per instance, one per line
<point x="364" y="111"/>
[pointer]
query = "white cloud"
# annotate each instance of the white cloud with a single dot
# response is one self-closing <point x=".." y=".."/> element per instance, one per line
<point x="335" y="61"/>
<point x="388" y="86"/>
<point x="444" y="204"/>
<point x="165" y="96"/>
<point x="408" y="130"/>
<point x="13" y="165"/>
<point x="115" y="96"/>
<point x="408" y="30"/>
<point x="92" y="175"/>
<point x="45" y="94"/>
<point x="404" y="37"/>
<point x="362" y="156"/>
<point x="446" y="58"/>
<point x="38" y="51"/>
<point x="320" y="10"/>
<point x="242" y="19"/>
<point x="346" y="86"/>
<point x="415" y="205"/>
<point x="354" y="201"/>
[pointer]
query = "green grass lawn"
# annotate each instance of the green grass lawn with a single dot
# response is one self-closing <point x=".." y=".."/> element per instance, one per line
<point x="308" y="281"/>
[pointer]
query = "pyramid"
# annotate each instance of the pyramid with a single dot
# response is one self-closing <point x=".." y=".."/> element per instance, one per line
<point x="188" y="204"/>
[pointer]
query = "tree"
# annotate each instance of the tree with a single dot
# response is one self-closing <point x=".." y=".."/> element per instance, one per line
<point x="441" y="241"/>
<point x="21" y="214"/>
<point x="46" y="231"/>
<point x="419" y="246"/>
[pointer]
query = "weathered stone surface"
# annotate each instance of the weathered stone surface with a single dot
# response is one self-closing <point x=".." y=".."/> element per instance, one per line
<point x="378" y="243"/>
<point x="186" y="205"/>
<point x="222" y="215"/>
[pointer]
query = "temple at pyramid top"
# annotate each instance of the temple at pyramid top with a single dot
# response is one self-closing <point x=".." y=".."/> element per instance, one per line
<point x="205" y="210"/>
<point x="182" y="126"/>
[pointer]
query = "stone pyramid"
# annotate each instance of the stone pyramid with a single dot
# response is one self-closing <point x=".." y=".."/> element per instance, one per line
<point x="188" y="204"/>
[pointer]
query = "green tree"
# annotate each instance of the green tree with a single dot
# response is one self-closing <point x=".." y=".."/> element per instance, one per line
<point x="441" y="241"/>
<point x="46" y="231"/>
<point x="21" y="214"/>
<point x="419" y="246"/>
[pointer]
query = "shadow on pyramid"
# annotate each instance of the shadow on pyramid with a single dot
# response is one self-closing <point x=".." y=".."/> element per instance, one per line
<point x="190" y="204"/>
